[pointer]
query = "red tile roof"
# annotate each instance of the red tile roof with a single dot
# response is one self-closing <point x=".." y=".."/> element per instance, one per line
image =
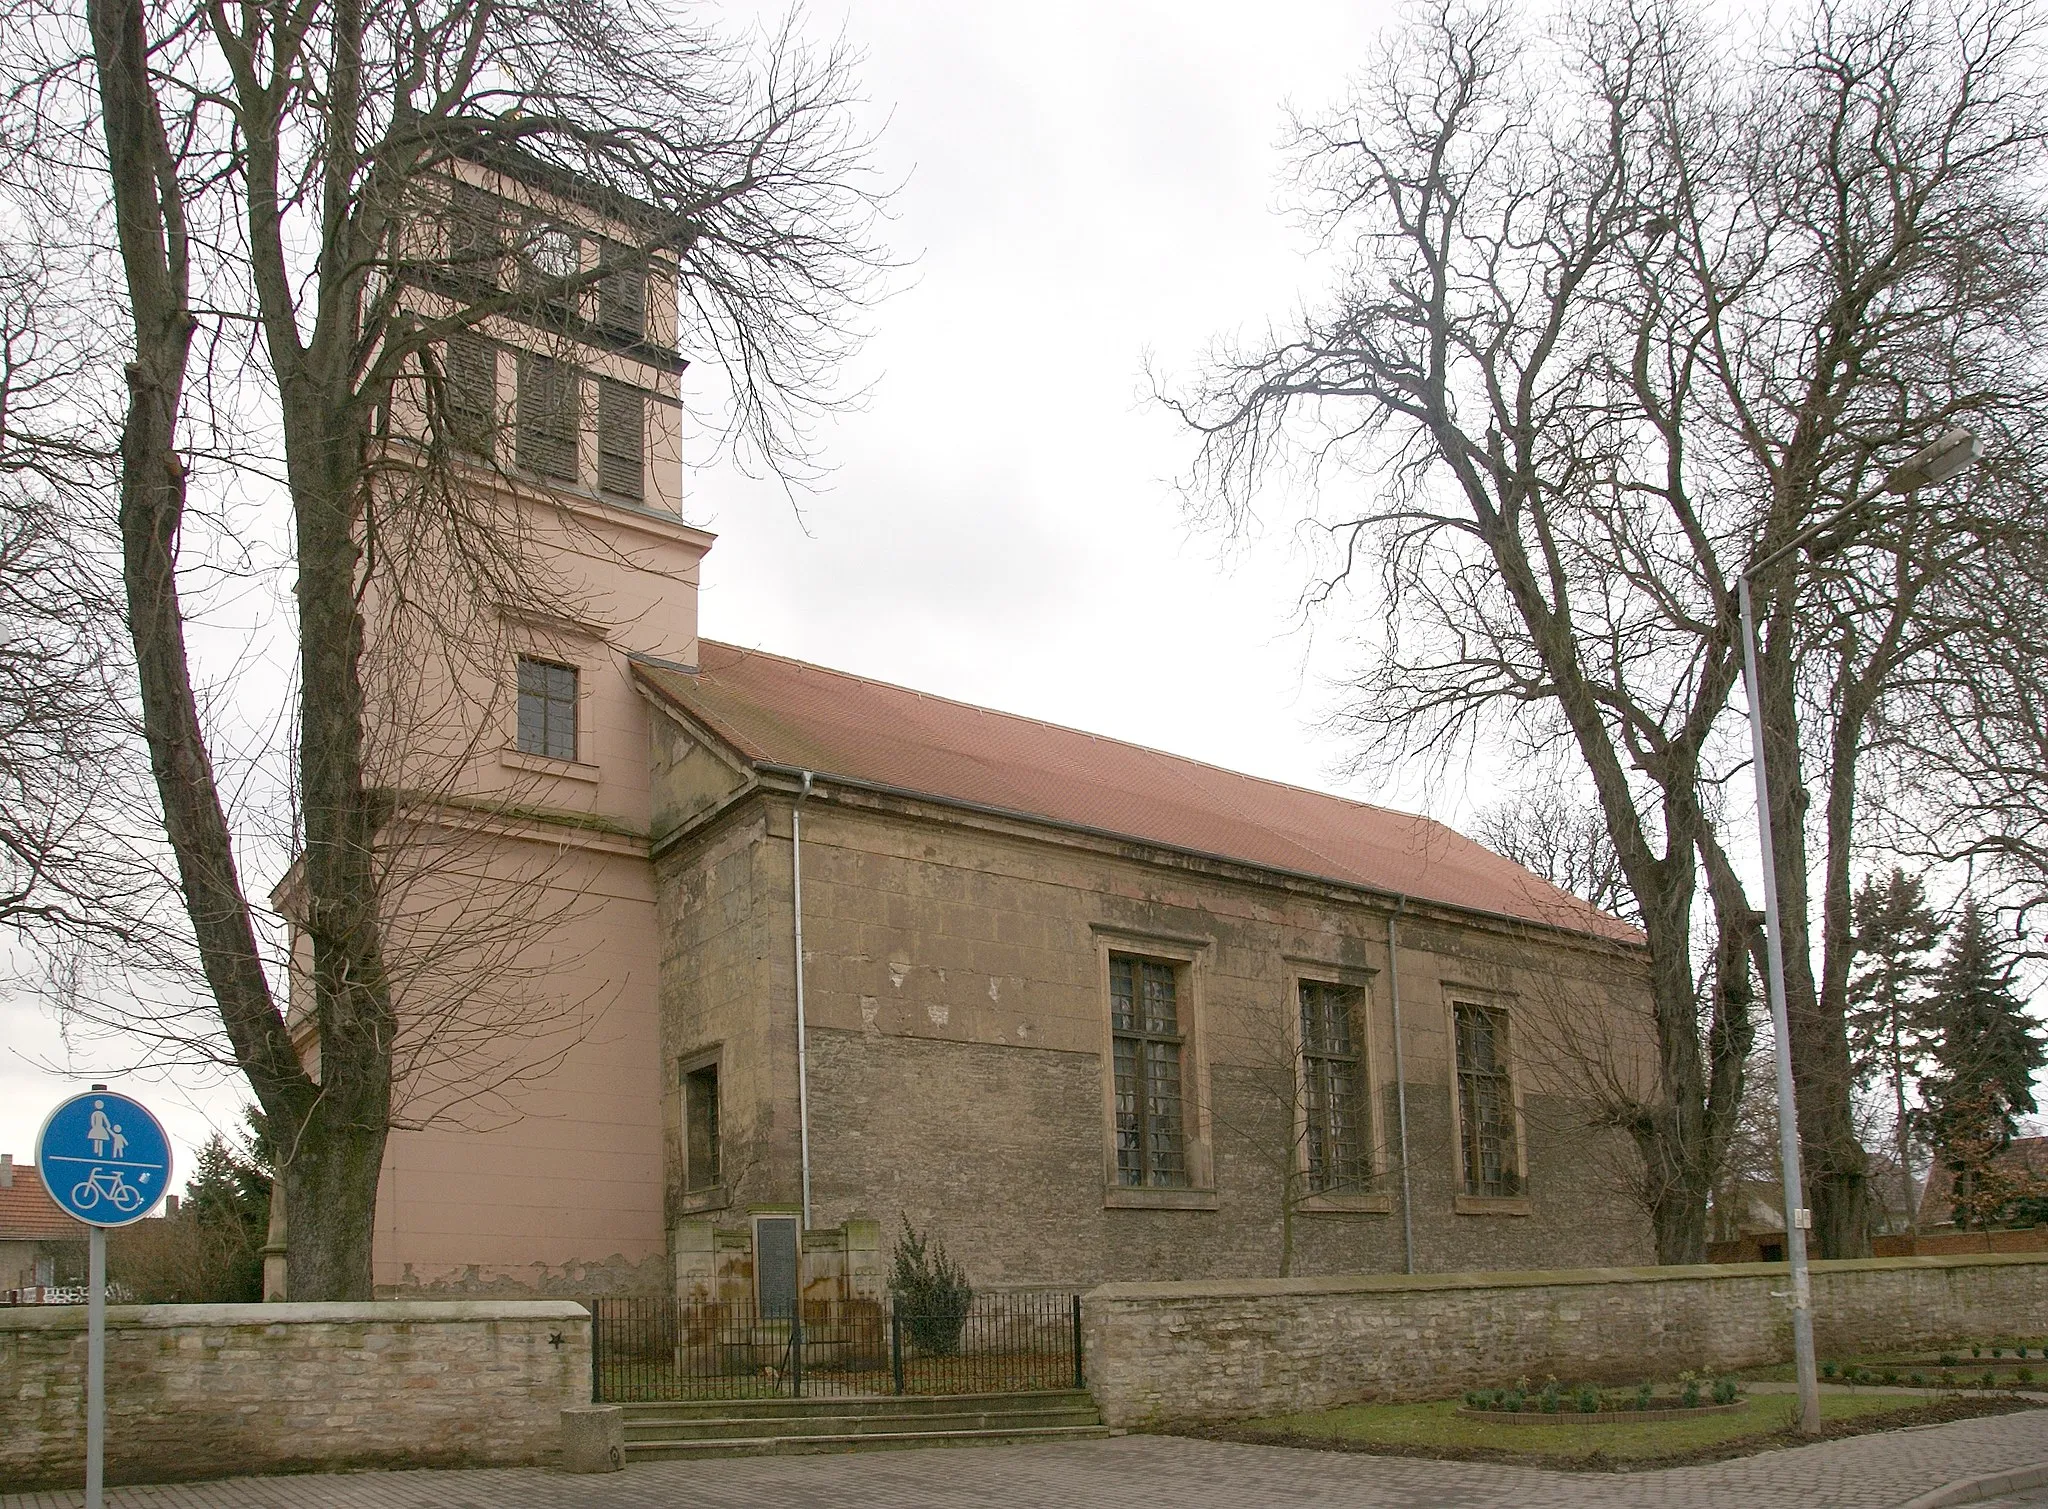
<point x="28" y="1214"/>
<point x="778" y="712"/>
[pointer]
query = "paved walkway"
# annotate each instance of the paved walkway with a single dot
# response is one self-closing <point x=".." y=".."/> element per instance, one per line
<point x="1865" y="1472"/>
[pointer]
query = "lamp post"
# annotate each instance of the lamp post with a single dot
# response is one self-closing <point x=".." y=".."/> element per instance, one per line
<point x="1946" y="457"/>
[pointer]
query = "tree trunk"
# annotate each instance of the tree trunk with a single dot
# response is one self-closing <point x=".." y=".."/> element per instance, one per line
<point x="1834" y="1166"/>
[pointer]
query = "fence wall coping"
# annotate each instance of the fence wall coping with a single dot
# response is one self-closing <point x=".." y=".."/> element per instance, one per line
<point x="1196" y="1291"/>
<point x="262" y="1316"/>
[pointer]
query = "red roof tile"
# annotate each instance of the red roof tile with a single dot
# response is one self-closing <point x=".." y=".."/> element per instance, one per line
<point x="779" y="712"/>
<point x="28" y="1214"/>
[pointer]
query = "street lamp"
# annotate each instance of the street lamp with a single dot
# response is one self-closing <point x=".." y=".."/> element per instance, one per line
<point x="1946" y="457"/>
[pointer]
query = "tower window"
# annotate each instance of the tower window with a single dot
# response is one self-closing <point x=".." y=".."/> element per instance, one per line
<point x="547" y="709"/>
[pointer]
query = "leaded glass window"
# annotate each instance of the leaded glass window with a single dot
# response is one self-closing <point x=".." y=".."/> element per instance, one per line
<point x="1333" y="1078"/>
<point x="547" y="709"/>
<point x="1149" y="1045"/>
<point x="1486" y="1102"/>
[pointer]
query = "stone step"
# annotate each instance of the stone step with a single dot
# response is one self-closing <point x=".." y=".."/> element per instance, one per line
<point x="756" y="1446"/>
<point x="754" y="1427"/>
<point x="681" y="1410"/>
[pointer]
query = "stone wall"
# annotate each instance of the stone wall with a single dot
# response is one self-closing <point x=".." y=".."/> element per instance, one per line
<point x="210" y="1390"/>
<point x="957" y="1009"/>
<point x="1218" y="1350"/>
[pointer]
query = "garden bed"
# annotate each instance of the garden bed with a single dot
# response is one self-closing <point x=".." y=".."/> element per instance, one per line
<point x="1602" y="1416"/>
<point x="1442" y="1431"/>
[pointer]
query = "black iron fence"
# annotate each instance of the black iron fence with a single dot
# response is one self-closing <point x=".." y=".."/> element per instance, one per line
<point x="646" y="1349"/>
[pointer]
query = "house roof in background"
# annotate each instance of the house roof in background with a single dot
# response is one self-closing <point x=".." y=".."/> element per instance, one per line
<point x="782" y="713"/>
<point x="28" y="1214"/>
<point x="2027" y="1155"/>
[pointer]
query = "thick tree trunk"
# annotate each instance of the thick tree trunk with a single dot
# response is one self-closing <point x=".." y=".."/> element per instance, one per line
<point x="1835" y="1167"/>
<point x="150" y="218"/>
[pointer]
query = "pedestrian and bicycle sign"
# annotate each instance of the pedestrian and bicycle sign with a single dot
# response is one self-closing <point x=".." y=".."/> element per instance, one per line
<point x="104" y="1159"/>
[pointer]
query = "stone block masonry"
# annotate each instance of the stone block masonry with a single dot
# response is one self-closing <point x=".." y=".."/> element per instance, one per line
<point x="199" y="1391"/>
<point x="1232" y="1349"/>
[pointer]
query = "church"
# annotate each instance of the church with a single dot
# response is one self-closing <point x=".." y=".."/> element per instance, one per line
<point x="813" y="954"/>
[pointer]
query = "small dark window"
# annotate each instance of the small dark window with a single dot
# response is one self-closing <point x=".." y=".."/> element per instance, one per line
<point x="1145" y="1030"/>
<point x="1486" y="1102"/>
<point x="1333" y="1103"/>
<point x="700" y="1128"/>
<point x="621" y="438"/>
<point x="547" y="709"/>
<point x="622" y="296"/>
<point x="476" y="233"/>
<point x="548" y="416"/>
<point x="469" y="392"/>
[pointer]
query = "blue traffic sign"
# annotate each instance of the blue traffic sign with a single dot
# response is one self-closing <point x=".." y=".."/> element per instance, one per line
<point x="104" y="1159"/>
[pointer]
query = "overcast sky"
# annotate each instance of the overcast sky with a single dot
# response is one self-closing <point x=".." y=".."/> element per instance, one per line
<point x="1081" y="184"/>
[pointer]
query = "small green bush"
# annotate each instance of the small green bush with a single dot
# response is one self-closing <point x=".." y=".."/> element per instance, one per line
<point x="2024" y="1375"/>
<point x="1514" y="1401"/>
<point x="1948" y="1359"/>
<point x="1689" y="1396"/>
<point x="1724" y="1391"/>
<point x="1918" y="1380"/>
<point x="1474" y="1399"/>
<point x="1589" y="1400"/>
<point x="1998" y="1351"/>
<point x="1827" y="1370"/>
<point x="1889" y="1376"/>
<point x="1976" y="1351"/>
<point x="1550" y="1401"/>
<point x="1948" y="1379"/>
<point x="1989" y="1379"/>
<point x="1643" y="1393"/>
<point x="932" y="1293"/>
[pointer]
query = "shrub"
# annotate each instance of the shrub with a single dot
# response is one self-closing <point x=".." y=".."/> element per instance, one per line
<point x="1550" y="1401"/>
<point x="1976" y="1351"/>
<point x="1689" y="1396"/>
<point x="1889" y="1375"/>
<point x="1989" y="1379"/>
<point x="932" y="1293"/>
<point x="1589" y="1400"/>
<point x="1827" y="1370"/>
<point x="1918" y="1380"/>
<point x="1643" y="1396"/>
<point x="1948" y="1359"/>
<point x="2024" y="1375"/>
<point x="1998" y="1351"/>
<point x="1948" y="1379"/>
<point x="1474" y="1399"/>
<point x="1724" y="1391"/>
<point x="2019" y="1352"/>
<point x="1515" y="1400"/>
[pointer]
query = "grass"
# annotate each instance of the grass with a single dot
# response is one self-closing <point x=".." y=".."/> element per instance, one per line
<point x="1437" y="1430"/>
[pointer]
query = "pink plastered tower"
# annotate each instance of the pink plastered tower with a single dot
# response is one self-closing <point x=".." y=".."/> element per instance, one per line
<point x="527" y="1148"/>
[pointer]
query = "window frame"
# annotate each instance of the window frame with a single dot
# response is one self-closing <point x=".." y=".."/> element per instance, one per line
<point x="1189" y="958"/>
<point x="534" y="363"/>
<point x="1372" y="1196"/>
<point x="1466" y="1199"/>
<point x="548" y="701"/>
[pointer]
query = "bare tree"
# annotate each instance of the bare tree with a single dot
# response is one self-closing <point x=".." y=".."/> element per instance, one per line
<point x="1625" y="302"/>
<point x="274" y="178"/>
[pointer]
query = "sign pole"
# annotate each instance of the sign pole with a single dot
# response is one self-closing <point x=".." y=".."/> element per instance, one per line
<point x="105" y="1161"/>
<point x="96" y="1373"/>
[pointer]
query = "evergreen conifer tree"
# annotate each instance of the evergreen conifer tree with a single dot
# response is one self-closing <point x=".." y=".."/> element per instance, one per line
<point x="1985" y="1051"/>
<point x="1894" y="933"/>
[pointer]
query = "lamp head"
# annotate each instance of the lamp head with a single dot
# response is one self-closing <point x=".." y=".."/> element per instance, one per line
<point x="1949" y="456"/>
